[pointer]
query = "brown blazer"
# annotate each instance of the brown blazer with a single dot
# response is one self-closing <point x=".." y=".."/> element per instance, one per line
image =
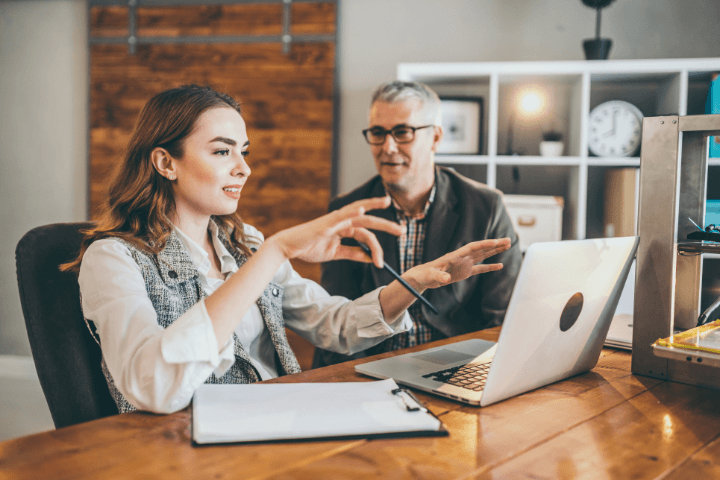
<point x="463" y="211"/>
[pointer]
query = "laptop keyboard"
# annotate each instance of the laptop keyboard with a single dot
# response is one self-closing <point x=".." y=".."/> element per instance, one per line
<point x="471" y="376"/>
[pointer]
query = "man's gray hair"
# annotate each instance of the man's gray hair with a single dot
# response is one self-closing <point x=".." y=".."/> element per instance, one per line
<point x="399" y="91"/>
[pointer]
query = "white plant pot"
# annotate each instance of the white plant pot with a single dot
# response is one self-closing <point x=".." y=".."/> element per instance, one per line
<point x="551" y="149"/>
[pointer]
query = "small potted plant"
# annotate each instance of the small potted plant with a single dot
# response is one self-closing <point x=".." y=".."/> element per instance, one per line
<point x="552" y="144"/>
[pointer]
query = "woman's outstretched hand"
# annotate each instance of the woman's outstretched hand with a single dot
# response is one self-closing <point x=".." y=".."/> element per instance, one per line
<point x="458" y="265"/>
<point x="450" y="268"/>
<point x="319" y="239"/>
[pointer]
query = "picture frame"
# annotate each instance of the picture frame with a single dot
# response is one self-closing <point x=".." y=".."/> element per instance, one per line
<point x="462" y="122"/>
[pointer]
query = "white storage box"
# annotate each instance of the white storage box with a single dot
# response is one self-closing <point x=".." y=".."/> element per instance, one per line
<point x="536" y="218"/>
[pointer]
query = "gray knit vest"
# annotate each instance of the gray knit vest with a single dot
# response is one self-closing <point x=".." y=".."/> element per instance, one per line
<point x="173" y="286"/>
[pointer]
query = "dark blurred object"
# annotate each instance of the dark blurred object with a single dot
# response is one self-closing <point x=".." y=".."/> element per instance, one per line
<point x="597" y="48"/>
<point x="709" y="236"/>
<point x="67" y="357"/>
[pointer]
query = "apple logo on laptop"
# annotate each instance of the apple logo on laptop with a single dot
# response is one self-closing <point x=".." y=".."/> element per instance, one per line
<point x="571" y="312"/>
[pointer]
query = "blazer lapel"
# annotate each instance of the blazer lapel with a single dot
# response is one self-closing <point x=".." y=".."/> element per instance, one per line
<point x="442" y="219"/>
<point x="387" y="242"/>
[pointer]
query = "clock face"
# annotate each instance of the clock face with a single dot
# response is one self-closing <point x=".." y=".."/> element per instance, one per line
<point x="614" y="129"/>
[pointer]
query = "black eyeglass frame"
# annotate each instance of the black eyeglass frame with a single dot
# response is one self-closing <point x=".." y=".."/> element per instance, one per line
<point x="390" y="132"/>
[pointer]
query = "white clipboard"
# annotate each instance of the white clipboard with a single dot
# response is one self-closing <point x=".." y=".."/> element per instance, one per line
<point x="303" y="411"/>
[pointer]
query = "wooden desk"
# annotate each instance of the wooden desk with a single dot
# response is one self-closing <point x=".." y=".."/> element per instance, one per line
<point x="606" y="423"/>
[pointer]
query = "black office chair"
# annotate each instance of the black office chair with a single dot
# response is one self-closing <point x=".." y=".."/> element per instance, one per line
<point x="67" y="358"/>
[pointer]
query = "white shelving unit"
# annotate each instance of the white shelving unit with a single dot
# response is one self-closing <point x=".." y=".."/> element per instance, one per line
<point x="572" y="89"/>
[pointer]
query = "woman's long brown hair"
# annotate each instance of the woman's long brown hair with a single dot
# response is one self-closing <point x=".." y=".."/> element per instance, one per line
<point x="140" y="200"/>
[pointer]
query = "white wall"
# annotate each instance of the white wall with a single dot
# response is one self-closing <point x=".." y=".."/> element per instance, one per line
<point x="43" y="134"/>
<point x="376" y="35"/>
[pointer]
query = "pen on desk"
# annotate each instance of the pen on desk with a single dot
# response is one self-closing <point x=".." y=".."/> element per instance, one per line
<point x="392" y="272"/>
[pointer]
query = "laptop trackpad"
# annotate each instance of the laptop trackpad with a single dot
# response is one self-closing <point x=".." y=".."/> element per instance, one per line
<point x="444" y="356"/>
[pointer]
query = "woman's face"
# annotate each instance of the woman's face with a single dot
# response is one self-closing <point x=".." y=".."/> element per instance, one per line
<point x="212" y="171"/>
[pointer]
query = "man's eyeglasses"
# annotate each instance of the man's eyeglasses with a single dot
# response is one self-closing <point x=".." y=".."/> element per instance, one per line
<point x="401" y="134"/>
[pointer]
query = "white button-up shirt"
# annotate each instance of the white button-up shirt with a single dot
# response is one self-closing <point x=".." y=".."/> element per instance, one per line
<point x="158" y="369"/>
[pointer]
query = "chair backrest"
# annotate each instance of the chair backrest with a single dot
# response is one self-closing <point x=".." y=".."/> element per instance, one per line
<point x="67" y="358"/>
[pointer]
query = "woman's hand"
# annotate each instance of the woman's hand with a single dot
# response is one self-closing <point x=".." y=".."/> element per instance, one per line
<point x="457" y="265"/>
<point x="319" y="239"/>
<point x="449" y="268"/>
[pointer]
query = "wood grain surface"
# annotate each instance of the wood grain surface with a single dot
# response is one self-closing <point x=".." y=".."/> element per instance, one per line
<point x="286" y="102"/>
<point x="306" y="18"/>
<point x="606" y="423"/>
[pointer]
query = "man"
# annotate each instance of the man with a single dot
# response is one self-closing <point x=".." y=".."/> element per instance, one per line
<point x="440" y="210"/>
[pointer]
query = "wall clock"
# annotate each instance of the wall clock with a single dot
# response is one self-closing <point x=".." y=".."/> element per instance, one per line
<point x="614" y="129"/>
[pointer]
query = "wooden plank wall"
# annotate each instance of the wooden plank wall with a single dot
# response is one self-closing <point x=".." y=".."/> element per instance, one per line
<point x="287" y="101"/>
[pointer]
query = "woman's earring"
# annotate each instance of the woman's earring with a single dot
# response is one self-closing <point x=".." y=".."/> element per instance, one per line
<point x="171" y="176"/>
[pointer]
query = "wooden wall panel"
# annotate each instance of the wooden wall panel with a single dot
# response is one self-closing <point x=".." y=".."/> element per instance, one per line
<point x="108" y="21"/>
<point x="312" y="18"/>
<point x="286" y="101"/>
<point x="241" y="19"/>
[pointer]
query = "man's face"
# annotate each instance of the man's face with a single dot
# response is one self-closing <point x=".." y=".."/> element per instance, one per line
<point x="404" y="167"/>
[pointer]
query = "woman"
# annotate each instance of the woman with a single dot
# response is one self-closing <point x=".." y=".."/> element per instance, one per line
<point x="181" y="292"/>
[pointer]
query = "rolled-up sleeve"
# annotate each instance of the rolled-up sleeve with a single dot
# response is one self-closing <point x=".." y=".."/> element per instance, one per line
<point x="335" y="323"/>
<point x="155" y="368"/>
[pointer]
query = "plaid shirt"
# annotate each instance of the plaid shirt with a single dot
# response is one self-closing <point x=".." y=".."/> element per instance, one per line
<point x="410" y="249"/>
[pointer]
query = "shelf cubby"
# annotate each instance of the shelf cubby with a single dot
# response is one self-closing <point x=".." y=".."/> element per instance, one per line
<point x="561" y="109"/>
<point x="698" y="86"/>
<point x="553" y="180"/>
<point x="655" y="93"/>
<point x="474" y="86"/>
<point x="596" y="190"/>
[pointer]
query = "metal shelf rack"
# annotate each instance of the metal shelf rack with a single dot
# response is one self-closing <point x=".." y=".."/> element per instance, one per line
<point x="673" y="186"/>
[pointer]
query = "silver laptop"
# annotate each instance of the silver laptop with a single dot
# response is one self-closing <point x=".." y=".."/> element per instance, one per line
<point x="555" y="326"/>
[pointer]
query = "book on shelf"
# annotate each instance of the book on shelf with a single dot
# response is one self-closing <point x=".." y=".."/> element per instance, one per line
<point x="620" y="209"/>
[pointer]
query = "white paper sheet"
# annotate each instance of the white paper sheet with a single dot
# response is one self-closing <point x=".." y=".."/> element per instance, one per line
<point x="262" y="412"/>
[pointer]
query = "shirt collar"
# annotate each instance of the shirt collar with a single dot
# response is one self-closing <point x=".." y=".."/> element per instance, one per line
<point x="419" y="216"/>
<point x="200" y="257"/>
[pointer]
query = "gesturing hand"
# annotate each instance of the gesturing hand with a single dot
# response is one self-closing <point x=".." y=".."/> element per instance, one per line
<point x="319" y="239"/>
<point x="458" y="265"/>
